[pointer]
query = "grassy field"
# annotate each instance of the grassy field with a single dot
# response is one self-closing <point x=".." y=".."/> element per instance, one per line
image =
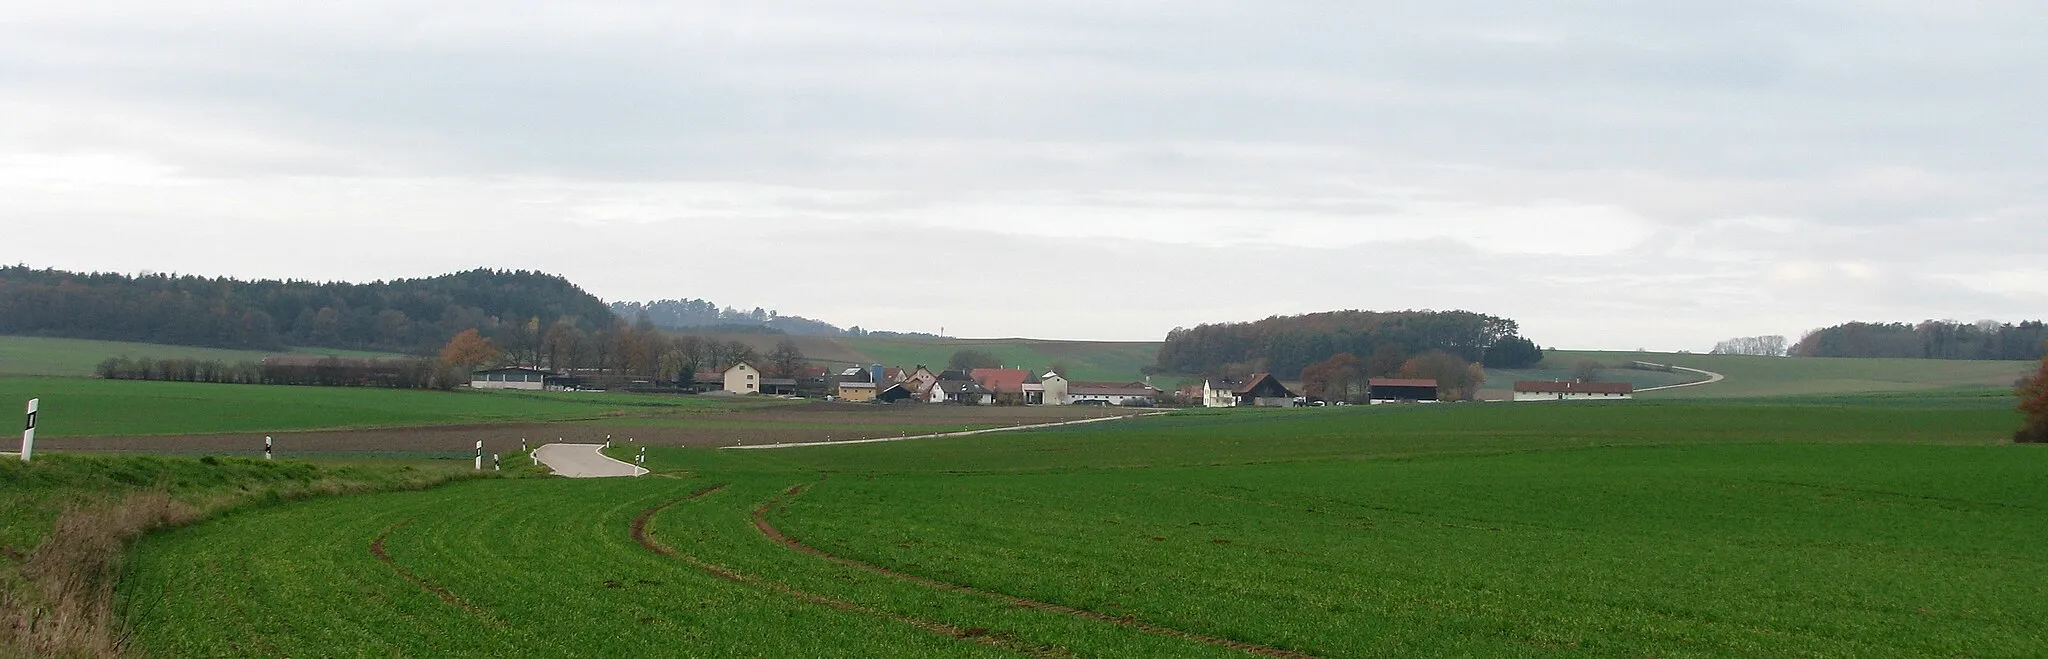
<point x="1772" y="376"/>
<point x="81" y="406"/>
<point x="30" y="355"/>
<point x="1870" y="526"/>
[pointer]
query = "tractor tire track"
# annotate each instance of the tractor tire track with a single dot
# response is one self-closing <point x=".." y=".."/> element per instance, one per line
<point x="998" y="640"/>
<point x="768" y="529"/>
<point x="377" y="550"/>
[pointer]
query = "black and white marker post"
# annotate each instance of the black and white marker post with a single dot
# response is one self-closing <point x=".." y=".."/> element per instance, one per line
<point x="266" y="447"/>
<point x="496" y="465"/>
<point x="479" y="455"/>
<point x="28" y="433"/>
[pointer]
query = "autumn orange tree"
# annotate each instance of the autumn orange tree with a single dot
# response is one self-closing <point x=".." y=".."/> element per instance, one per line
<point x="2034" y="403"/>
<point x="1332" y="379"/>
<point x="469" y="349"/>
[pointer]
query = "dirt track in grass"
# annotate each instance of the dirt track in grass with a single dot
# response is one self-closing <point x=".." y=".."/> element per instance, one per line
<point x="768" y="529"/>
<point x="815" y="422"/>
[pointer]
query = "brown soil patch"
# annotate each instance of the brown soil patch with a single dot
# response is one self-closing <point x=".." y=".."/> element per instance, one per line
<point x="999" y="640"/>
<point x="377" y="549"/>
<point x="814" y="422"/>
<point x="768" y="529"/>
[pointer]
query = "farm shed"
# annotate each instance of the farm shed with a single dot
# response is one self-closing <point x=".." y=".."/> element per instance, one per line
<point x="896" y="393"/>
<point x="1527" y="391"/>
<point x="1113" y="393"/>
<point x="1393" y="390"/>
<point x="1263" y="390"/>
<point x="516" y="377"/>
<point x="857" y="392"/>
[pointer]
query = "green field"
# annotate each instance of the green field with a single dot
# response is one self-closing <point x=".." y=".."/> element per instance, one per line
<point x="30" y="355"/>
<point x="1874" y="526"/>
<point x="1811" y="376"/>
<point x="89" y="407"/>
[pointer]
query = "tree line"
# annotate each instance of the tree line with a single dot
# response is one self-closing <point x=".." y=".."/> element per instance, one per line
<point x="1945" y="339"/>
<point x="1345" y="377"/>
<point x="1773" y="345"/>
<point x="707" y="316"/>
<point x="407" y="315"/>
<point x="1383" y="341"/>
<point x="414" y="373"/>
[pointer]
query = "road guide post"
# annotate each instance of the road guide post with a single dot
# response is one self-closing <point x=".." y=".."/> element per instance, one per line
<point x="479" y="455"/>
<point x="28" y="433"/>
<point x="266" y="447"/>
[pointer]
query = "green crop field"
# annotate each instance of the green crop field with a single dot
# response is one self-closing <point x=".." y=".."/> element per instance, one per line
<point x="88" y="407"/>
<point x="1871" y="526"/>
<point x="30" y="355"/>
<point x="1805" y="376"/>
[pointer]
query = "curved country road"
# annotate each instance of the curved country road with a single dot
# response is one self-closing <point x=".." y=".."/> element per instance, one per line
<point x="1712" y="377"/>
<point x="583" y="461"/>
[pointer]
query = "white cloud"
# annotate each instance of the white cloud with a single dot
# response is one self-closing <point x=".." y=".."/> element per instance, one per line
<point x="1657" y="174"/>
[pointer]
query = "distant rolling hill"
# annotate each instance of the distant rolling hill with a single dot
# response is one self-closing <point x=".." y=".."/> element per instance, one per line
<point x="1808" y="376"/>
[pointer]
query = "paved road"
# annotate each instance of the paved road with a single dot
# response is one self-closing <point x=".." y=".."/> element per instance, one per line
<point x="584" y="461"/>
<point x="1712" y="377"/>
<point x="968" y="433"/>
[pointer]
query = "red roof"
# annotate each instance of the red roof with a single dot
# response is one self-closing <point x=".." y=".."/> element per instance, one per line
<point x="1001" y="380"/>
<point x="1540" y="387"/>
<point x="1398" y="382"/>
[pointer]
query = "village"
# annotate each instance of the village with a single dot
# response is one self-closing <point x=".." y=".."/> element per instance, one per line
<point x="879" y="384"/>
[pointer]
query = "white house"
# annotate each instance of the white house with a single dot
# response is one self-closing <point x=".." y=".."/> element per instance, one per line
<point x="1528" y="391"/>
<point x="743" y="378"/>
<point x="1219" y="393"/>
<point x="514" y="377"/>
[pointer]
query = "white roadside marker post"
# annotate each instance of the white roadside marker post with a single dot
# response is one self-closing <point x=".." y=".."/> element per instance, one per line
<point x="28" y="434"/>
<point x="266" y="447"/>
<point x="607" y="441"/>
<point x="479" y="455"/>
<point x="495" y="464"/>
<point x="522" y="445"/>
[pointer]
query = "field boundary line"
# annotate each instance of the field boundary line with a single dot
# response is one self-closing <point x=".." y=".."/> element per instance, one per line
<point x="448" y="596"/>
<point x="769" y="530"/>
<point x="1712" y="378"/>
<point x="998" y="640"/>
<point x="943" y="435"/>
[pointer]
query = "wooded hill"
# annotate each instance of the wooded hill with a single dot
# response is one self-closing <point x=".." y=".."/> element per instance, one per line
<point x="404" y="315"/>
<point x="1928" y="340"/>
<point x="1284" y="345"/>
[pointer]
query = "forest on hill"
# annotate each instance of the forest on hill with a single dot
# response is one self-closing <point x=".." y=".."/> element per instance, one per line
<point x="406" y="315"/>
<point x="1285" y="345"/>
<point x="1987" y="340"/>
<point x="705" y="316"/>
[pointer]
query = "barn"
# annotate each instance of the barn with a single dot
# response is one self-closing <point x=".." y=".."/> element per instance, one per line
<point x="1396" y="390"/>
<point x="1528" y="391"/>
<point x="1263" y="390"/>
<point x="515" y="377"/>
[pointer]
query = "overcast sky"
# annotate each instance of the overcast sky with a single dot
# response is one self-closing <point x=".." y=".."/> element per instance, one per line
<point x="1653" y="174"/>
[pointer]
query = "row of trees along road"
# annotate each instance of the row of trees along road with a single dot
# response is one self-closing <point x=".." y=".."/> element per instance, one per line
<point x="1286" y="345"/>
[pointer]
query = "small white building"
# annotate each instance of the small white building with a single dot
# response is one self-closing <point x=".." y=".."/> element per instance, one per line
<point x="1054" y="388"/>
<point x="743" y="378"/>
<point x="514" y="377"/>
<point x="1219" y="393"/>
<point x="1530" y="391"/>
